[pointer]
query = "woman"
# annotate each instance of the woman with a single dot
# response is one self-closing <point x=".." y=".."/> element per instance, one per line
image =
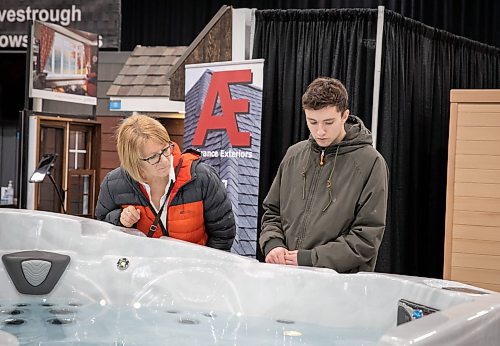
<point x="162" y="192"/>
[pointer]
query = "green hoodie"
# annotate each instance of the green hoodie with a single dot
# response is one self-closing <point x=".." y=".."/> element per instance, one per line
<point x="338" y="225"/>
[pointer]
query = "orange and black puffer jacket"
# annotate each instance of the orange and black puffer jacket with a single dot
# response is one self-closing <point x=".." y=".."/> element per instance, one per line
<point x="199" y="210"/>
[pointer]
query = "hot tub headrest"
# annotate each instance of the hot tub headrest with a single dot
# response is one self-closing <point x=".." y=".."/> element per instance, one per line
<point x="35" y="272"/>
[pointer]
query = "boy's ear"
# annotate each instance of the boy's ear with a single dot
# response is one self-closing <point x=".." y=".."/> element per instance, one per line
<point x="345" y="115"/>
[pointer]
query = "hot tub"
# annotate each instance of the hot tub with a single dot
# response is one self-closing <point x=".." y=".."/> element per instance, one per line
<point x="112" y="287"/>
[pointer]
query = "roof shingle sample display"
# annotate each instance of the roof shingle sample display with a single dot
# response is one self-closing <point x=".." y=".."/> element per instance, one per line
<point x="145" y="72"/>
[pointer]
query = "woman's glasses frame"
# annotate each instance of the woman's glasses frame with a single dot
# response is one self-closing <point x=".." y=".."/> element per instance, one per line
<point x="155" y="158"/>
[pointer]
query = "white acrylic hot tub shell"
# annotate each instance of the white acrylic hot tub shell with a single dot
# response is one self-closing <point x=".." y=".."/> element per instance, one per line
<point x="170" y="273"/>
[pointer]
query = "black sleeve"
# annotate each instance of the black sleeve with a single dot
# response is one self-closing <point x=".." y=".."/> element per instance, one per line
<point x="106" y="208"/>
<point x="218" y="214"/>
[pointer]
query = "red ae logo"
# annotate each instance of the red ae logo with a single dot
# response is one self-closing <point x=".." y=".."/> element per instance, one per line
<point x="219" y="85"/>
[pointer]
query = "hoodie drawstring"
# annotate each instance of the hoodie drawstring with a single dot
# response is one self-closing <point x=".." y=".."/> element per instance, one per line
<point x="303" y="184"/>
<point x="329" y="181"/>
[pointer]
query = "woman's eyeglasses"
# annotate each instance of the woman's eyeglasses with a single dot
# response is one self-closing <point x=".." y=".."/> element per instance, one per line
<point x="155" y="158"/>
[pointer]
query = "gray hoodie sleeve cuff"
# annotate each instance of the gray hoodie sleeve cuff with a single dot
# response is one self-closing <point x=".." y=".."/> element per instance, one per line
<point x="304" y="258"/>
<point x="273" y="243"/>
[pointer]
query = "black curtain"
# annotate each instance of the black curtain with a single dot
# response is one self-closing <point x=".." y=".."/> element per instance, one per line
<point x="420" y="66"/>
<point x="299" y="46"/>
<point x="173" y="23"/>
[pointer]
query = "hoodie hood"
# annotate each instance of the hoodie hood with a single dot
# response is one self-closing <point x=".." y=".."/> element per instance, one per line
<point x="357" y="136"/>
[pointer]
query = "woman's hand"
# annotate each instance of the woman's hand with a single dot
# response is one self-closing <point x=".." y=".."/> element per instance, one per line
<point x="130" y="216"/>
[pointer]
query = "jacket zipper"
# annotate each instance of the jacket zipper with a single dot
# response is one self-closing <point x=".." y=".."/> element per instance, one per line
<point x="322" y="158"/>
<point x="307" y="213"/>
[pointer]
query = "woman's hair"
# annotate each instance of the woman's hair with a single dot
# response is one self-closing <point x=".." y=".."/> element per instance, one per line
<point x="133" y="132"/>
<point x="325" y="92"/>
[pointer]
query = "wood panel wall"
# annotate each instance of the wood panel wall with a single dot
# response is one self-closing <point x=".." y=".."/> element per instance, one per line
<point x="175" y="128"/>
<point x="109" y="156"/>
<point x="472" y="235"/>
<point x="213" y="44"/>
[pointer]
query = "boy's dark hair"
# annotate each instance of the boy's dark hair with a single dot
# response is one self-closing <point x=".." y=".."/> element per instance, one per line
<point x="324" y="92"/>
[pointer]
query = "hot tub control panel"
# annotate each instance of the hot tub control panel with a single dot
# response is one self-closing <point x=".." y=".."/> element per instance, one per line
<point x="409" y="311"/>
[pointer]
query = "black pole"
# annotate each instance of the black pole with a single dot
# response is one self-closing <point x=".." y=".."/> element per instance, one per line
<point x="58" y="192"/>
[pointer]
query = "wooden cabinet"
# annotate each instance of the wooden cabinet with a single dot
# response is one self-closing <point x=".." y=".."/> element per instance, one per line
<point x="472" y="235"/>
<point x="74" y="184"/>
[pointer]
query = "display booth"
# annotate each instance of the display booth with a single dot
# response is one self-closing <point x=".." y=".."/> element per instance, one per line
<point x="472" y="236"/>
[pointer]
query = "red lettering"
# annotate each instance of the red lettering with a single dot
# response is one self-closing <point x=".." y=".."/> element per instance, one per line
<point x="219" y="86"/>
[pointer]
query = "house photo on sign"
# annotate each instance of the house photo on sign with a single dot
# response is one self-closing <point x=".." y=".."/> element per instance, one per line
<point x="223" y="103"/>
<point x="63" y="64"/>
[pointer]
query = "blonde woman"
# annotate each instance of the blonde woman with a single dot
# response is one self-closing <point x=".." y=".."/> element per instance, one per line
<point x="163" y="192"/>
